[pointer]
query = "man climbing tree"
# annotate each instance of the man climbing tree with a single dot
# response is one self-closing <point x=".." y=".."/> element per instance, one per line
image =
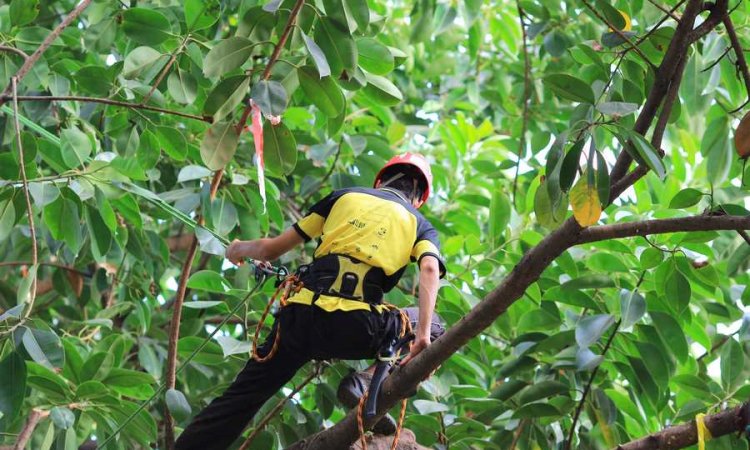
<point x="335" y="307"/>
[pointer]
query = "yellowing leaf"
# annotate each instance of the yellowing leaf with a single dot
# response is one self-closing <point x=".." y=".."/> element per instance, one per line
<point x="628" y="24"/>
<point x="585" y="202"/>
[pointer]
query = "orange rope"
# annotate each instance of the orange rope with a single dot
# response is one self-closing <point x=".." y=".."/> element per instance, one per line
<point x="291" y="283"/>
<point x="405" y="328"/>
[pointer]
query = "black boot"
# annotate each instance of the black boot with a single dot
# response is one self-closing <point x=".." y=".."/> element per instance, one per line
<point x="352" y="388"/>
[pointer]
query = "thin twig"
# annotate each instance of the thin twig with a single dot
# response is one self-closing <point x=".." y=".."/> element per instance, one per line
<point x="165" y="70"/>
<point x="28" y="429"/>
<point x="267" y="418"/>
<point x="31" y="60"/>
<point x="17" y="51"/>
<point x="284" y="36"/>
<point x="526" y="96"/>
<point x="582" y="402"/>
<point x="518" y="433"/>
<point x="328" y="174"/>
<point x="106" y="101"/>
<point x="658" y="24"/>
<point x="27" y="196"/>
<point x="619" y="33"/>
<point x="50" y="264"/>
<point x="739" y="53"/>
<point x="666" y="11"/>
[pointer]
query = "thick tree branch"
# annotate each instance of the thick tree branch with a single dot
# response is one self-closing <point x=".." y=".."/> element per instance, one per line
<point x="686" y="434"/>
<point x="31" y="60"/>
<point x="740" y="54"/>
<point x="661" y="226"/>
<point x="106" y="101"/>
<point x="526" y="272"/>
<point x="719" y="11"/>
<point x="664" y="76"/>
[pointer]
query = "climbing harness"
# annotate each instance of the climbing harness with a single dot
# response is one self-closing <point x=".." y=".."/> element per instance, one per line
<point x="284" y="286"/>
<point x="388" y="356"/>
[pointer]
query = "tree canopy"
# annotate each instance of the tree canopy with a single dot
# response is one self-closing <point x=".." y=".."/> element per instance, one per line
<point x="588" y="194"/>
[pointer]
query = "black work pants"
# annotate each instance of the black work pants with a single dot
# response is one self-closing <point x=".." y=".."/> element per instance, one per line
<point x="307" y="332"/>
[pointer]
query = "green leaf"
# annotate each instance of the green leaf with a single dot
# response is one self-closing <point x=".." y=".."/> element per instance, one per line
<point x="569" y="168"/>
<point x="270" y="96"/>
<point x="75" y="147"/>
<point x="319" y="58"/>
<point x="145" y="25"/>
<point x="210" y="355"/>
<point x="23" y="11"/>
<point x="173" y="142"/>
<point x="225" y="97"/>
<point x="127" y="378"/>
<point x="500" y="211"/>
<point x="686" y="198"/>
<point x="12" y="389"/>
<point x="617" y="108"/>
<point x="570" y="87"/>
<point x="231" y="346"/>
<point x="208" y="280"/>
<point x="556" y="42"/>
<point x="44" y="347"/>
<point x="61" y="216"/>
<point x="654" y="360"/>
<point x="678" y="291"/>
<point x="139" y="60"/>
<point x="536" y="410"/>
<point x="602" y="178"/>
<point x="592" y="281"/>
<point x="101" y="238"/>
<point x="374" y="57"/>
<point x="382" y="90"/>
<point x="612" y="15"/>
<point x="95" y="80"/>
<point x="732" y="363"/>
<point x="43" y="194"/>
<point x="647" y="153"/>
<point x="201" y="304"/>
<point x="227" y="55"/>
<point x="430" y="407"/>
<point x="672" y="334"/>
<point x="219" y="144"/>
<point x="589" y="329"/>
<point x="337" y="45"/>
<point x="541" y="390"/>
<point x="223" y="215"/>
<point x="280" y="149"/>
<point x="182" y="86"/>
<point x="693" y="385"/>
<point x="97" y="366"/>
<point x="178" y="405"/>
<point x="548" y="215"/>
<point x="651" y="257"/>
<point x="632" y="307"/>
<point x="7" y="218"/>
<point x="91" y="389"/>
<point x="200" y="14"/>
<point x="360" y="12"/>
<point x="62" y="417"/>
<point x="323" y="92"/>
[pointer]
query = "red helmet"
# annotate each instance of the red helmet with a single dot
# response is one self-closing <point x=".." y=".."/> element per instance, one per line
<point x="415" y="160"/>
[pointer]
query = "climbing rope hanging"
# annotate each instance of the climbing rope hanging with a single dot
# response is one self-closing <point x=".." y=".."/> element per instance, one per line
<point x="290" y="284"/>
<point x="405" y="330"/>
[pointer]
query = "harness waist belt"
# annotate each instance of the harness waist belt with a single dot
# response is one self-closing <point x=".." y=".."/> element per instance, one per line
<point x="332" y="303"/>
<point x="344" y="278"/>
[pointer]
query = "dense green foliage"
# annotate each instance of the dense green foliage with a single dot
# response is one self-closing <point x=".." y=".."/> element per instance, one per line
<point x="440" y="77"/>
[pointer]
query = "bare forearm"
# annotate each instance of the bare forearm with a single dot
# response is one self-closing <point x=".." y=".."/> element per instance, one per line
<point x="428" y="287"/>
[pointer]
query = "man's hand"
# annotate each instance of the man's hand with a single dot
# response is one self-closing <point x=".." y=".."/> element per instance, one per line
<point x="236" y="252"/>
<point x="419" y="344"/>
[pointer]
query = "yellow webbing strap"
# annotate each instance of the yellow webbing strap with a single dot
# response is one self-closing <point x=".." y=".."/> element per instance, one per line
<point x="704" y="434"/>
